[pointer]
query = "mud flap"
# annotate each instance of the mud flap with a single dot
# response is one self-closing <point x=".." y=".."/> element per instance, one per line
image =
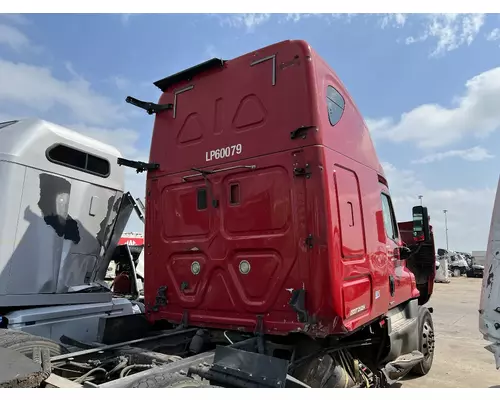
<point x="397" y="369"/>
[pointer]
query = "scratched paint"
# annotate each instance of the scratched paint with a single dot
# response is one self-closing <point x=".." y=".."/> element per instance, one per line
<point x="107" y="224"/>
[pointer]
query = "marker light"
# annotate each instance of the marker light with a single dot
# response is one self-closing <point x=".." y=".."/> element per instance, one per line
<point x="244" y="267"/>
<point x="195" y="267"/>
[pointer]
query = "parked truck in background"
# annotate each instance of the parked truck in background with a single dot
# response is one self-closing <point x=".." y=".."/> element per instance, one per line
<point x="272" y="255"/>
<point x="479" y="257"/>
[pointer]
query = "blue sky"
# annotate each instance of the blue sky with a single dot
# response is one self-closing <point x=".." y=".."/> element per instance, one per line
<point x="427" y="84"/>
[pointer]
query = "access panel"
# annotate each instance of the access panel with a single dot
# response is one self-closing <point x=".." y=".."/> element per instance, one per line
<point x="352" y="230"/>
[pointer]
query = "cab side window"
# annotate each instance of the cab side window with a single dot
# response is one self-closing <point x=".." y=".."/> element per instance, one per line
<point x="391" y="227"/>
<point x="335" y="103"/>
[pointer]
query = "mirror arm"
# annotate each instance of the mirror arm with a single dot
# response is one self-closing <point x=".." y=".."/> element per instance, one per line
<point x="406" y="250"/>
<point x="417" y="249"/>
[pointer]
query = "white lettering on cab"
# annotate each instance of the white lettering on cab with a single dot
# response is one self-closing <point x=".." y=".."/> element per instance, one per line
<point x="223" y="152"/>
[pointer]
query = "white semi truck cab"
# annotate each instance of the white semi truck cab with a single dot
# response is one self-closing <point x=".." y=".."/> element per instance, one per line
<point x="489" y="307"/>
<point x="64" y="209"/>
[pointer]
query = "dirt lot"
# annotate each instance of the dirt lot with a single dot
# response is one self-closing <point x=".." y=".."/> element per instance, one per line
<point x="460" y="359"/>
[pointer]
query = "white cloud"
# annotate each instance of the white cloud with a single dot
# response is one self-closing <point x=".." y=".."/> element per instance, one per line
<point x="15" y="39"/>
<point x="8" y="117"/>
<point x="347" y="17"/>
<point x="432" y="125"/>
<point x="328" y="18"/>
<point x="211" y="52"/>
<point x="249" y="21"/>
<point x="493" y="35"/>
<point x="37" y="89"/>
<point x="450" y="31"/>
<point x="69" y="67"/>
<point x="395" y="20"/>
<point x="125" y="18"/>
<point x="120" y="82"/>
<point x="469" y="210"/>
<point x="476" y="153"/>
<point x="15" y="18"/>
<point x="296" y="17"/>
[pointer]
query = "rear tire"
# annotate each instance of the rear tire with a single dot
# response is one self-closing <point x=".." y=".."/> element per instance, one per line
<point x="426" y="342"/>
<point x="24" y="343"/>
<point x="321" y="371"/>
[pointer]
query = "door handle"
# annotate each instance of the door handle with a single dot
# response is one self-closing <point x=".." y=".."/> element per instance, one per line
<point x="352" y="214"/>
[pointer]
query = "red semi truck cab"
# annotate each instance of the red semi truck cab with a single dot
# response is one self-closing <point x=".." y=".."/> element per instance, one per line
<point x="270" y="209"/>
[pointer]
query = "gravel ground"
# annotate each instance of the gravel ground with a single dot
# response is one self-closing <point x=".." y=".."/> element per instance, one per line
<point x="460" y="359"/>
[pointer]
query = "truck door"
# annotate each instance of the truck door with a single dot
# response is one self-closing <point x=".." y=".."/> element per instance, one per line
<point x="398" y="276"/>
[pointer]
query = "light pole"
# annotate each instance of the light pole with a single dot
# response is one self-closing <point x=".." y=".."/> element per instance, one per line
<point x="446" y="227"/>
<point x="420" y="197"/>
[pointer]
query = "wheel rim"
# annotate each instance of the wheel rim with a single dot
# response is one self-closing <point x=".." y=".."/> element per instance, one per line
<point x="427" y="341"/>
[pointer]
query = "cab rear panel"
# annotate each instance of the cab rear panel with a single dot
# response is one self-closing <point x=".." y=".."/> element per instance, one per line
<point x="226" y="265"/>
<point x="238" y="118"/>
<point x="264" y="209"/>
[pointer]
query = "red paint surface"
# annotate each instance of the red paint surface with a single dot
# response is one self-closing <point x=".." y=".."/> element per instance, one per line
<point x="131" y="241"/>
<point x="351" y="258"/>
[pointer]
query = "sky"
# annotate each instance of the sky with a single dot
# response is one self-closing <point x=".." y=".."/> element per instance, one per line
<point x="428" y="86"/>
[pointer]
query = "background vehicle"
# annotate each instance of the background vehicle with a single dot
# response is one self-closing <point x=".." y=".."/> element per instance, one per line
<point x="272" y="251"/>
<point x="457" y="263"/>
<point x="468" y="258"/>
<point x="442" y="271"/>
<point x="475" y="271"/>
<point x="479" y="257"/>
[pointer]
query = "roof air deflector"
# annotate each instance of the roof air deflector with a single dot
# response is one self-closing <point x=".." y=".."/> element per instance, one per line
<point x="165" y="83"/>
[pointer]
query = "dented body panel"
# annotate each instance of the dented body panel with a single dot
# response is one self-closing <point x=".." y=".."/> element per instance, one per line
<point x="56" y="234"/>
<point x="281" y="227"/>
<point x="489" y="307"/>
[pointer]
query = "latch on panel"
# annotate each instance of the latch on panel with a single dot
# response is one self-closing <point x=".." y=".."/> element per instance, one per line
<point x="301" y="132"/>
<point x="306" y="171"/>
<point x="309" y="241"/>
<point x="94" y="204"/>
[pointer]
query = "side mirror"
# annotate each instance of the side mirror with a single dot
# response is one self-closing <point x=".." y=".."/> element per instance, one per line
<point x="421" y="228"/>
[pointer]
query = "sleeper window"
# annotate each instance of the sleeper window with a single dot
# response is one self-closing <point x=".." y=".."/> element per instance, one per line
<point x="335" y="104"/>
<point x="77" y="159"/>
